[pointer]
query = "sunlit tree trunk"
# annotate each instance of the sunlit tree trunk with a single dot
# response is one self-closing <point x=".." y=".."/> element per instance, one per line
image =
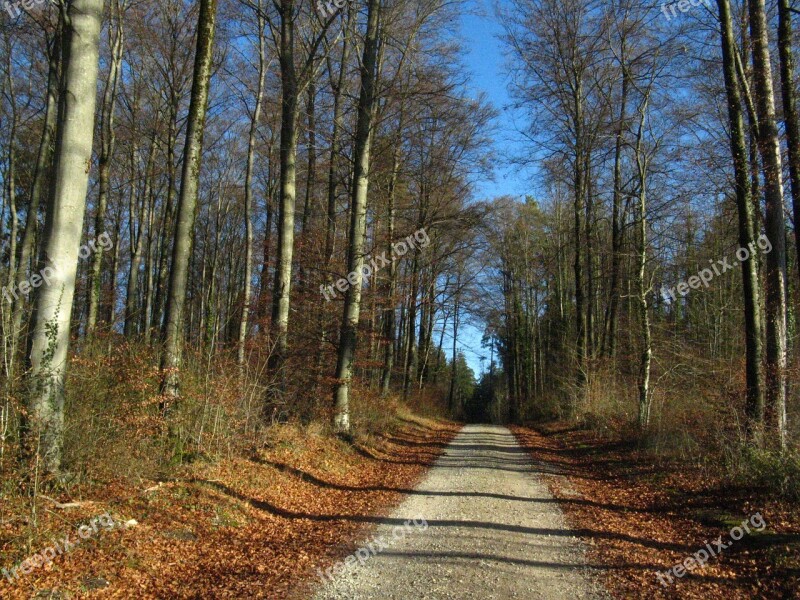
<point x="62" y="236"/>
<point x="358" y="223"/>
<point x="187" y="202"/>
<point x="643" y="286"/>
<point x="775" y="279"/>
<point x="281" y="292"/>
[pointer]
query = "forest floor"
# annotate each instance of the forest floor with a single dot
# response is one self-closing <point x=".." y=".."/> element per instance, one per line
<point x="236" y="528"/>
<point x="638" y="519"/>
<point x="270" y="525"/>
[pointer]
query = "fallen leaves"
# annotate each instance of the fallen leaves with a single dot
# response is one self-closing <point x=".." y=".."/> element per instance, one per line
<point x="255" y="527"/>
<point x="640" y="518"/>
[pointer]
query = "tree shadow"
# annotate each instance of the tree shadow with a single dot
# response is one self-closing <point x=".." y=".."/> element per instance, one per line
<point x="270" y="508"/>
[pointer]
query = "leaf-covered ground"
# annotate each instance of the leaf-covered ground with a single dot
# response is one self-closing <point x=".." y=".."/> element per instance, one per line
<point x="245" y="528"/>
<point x="638" y="518"/>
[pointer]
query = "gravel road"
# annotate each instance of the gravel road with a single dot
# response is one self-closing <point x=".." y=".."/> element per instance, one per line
<point x="486" y="527"/>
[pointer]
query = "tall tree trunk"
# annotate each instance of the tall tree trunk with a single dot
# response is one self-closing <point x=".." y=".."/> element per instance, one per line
<point x="111" y="293"/>
<point x="790" y="116"/>
<point x="338" y="89"/>
<point x="769" y="149"/>
<point x="579" y="183"/>
<point x="137" y="236"/>
<point x="389" y="324"/>
<point x="281" y="294"/>
<point x="11" y="174"/>
<point x="10" y="180"/>
<point x="62" y="236"/>
<point x="616" y="226"/>
<point x="338" y="125"/>
<point x="248" y="191"/>
<point x="591" y="293"/>
<point x="747" y="228"/>
<point x="262" y="307"/>
<point x="311" y="172"/>
<point x="358" y="222"/>
<point x="643" y="288"/>
<point x="451" y="395"/>
<point x="187" y="203"/>
<point x="150" y="265"/>
<point x="410" y="356"/>
<point x="107" y="140"/>
<point x="167" y="222"/>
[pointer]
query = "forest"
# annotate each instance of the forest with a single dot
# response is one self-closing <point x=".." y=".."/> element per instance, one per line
<point x="263" y="278"/>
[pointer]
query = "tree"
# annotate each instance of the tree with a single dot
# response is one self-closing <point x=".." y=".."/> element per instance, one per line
<point x="62" y="234"/>
<point x="747" y="227"/>
<point x="775" y="277"/>
<point x="187" y="202"/>
<point x="248" y="186"/>
<point x="293" y="83"/>
<point x="358" y="222"/>
<point x="790" y="116"/>
<point x="107" y="142"/>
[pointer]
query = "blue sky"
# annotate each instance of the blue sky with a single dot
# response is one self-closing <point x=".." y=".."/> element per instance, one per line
<point x="483" y="58"/>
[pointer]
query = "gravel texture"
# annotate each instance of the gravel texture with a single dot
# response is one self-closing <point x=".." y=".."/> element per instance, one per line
<point x="491" y="530"/>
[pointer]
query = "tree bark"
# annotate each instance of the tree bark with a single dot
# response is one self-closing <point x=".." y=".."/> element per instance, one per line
<point x="62" y="235"/>
<point x="769" y="149"/>
<point x="187" y="203"/>
<point x="643" y="288"/>
<point x="747" y="226"/>
<point x="248" y="191"/>
<point x="389" y="321"/>
<point x="358" y="222"/>
<point x="790" y="116"/>
<point x="281" y="293"/>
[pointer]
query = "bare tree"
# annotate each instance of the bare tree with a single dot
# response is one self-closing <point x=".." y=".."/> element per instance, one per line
<point x="747" y="226"/>
<point x="187" y="202"/>
<point x="776" y="290"/>
<point x="107" y="142"/>
<point x="358" y="222"/>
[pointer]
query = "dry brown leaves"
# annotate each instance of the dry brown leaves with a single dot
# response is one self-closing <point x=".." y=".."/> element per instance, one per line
<point x="638" y="518"/>
<point x="255" y="527"/>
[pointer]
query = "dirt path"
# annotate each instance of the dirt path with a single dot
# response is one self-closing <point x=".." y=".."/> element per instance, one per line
<point x="486" y="527"/>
